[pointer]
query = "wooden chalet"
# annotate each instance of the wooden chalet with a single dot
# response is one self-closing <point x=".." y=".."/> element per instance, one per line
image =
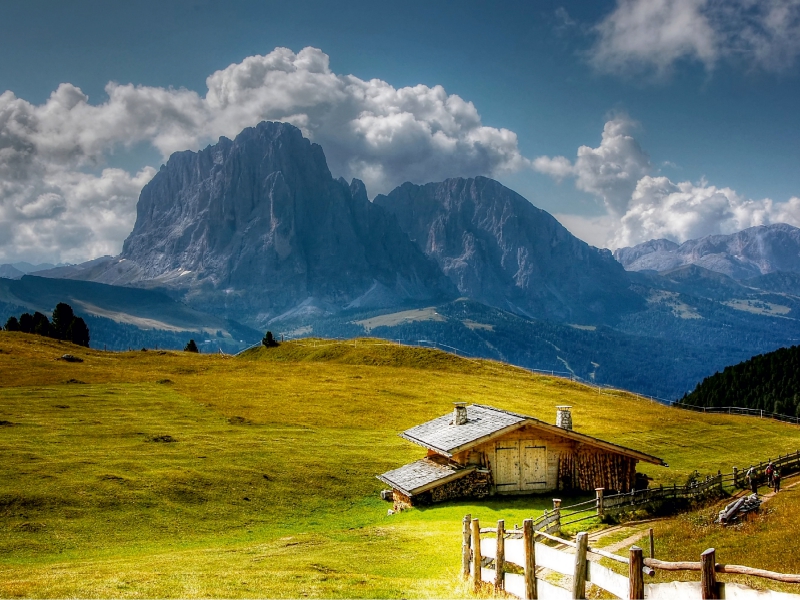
<point x="480" y="450"/>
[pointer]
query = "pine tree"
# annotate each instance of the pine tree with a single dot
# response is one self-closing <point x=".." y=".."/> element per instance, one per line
<point x="191" y="347"/>
<point x="78" y="332"/>
<point x="269" y="341"/>
<point x="41" y="324"/>
<point x="12" y="324"/>
<point x="62" y="320"/>
<point x="26" y="323"/>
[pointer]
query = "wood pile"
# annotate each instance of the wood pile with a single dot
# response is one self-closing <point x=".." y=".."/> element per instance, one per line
<point x="738" y="508"/>
<point x="588" y="469"/>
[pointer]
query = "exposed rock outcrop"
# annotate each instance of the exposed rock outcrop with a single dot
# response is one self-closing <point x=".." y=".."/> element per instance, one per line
<point x="501" y="250"/>
<point x="257" y="225"/>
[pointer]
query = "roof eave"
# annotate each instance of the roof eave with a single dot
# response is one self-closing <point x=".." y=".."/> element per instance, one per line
<point x="393" y="485"/>
<point x="424" y="445"/>
<point x="582" y="437"/>
<point x="428" y="486"/>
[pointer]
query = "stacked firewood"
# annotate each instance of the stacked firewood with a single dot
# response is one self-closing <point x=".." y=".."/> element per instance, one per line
<point x="738" y="508"/>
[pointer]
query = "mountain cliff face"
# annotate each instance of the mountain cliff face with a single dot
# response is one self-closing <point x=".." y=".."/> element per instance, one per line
<point x="498" y="248"/>
<point x="259" y="224"/>
<point x="745" y="254"/>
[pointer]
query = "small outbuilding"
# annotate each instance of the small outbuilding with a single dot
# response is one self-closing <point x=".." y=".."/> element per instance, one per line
<point x="478" y="450"/>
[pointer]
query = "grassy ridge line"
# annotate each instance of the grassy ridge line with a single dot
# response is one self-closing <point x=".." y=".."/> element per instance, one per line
<point x="372" y="352"/>
<point x="269" y="489"/>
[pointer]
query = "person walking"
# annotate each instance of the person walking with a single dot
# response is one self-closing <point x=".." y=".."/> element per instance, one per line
<point x="776" y="480"/>
<point x="769" y="472"/>
<point x="751" y="480"/>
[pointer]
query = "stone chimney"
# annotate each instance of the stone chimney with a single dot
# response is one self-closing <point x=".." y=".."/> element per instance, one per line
<point x="460" y="413"/>
<point x="563" y="417"/>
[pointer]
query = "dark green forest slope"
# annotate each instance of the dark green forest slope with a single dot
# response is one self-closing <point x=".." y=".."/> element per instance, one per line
<point x="769" y="382"/>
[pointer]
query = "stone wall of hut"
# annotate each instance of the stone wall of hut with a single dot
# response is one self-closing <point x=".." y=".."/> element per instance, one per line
<point x="589" y="468"/>
<point x="477" y="484"/>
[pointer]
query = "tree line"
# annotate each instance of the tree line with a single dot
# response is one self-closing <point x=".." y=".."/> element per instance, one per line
<point x="769" y="382"/>
<point x="63" y="326"/>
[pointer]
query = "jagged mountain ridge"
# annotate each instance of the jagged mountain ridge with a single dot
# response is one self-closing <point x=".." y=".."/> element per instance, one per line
<point x="258" y="225"/>
<point x="742" y="255"/>
<point x="501" y="250"/>
<point x="257" y="229"/>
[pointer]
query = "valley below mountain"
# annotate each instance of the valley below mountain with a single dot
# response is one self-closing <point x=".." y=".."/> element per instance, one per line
<point x="255" y="233"/>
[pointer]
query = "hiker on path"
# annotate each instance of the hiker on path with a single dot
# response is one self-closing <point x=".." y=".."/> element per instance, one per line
<point x="769" y="473"/>
<point x="776" y="480"/>
<point x="751" y="480"/>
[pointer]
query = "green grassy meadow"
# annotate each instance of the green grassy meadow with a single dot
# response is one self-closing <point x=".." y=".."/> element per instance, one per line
<point x="169" y="474"/>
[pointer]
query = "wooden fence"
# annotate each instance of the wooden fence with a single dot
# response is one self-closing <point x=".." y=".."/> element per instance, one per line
<point x="737" y="410"/>
<point x="610" y="504"/>
<point x="490" y="560"/>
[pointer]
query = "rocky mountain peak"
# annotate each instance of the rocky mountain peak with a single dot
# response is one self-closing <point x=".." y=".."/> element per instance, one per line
<point x="498" y="248"/>
<point x="258" y="224"/>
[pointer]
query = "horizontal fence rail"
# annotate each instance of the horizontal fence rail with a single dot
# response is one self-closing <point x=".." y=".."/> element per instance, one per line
<point x="488" y="560"/>
<point x="737" y="479"/>
<point x="738" y="410"/>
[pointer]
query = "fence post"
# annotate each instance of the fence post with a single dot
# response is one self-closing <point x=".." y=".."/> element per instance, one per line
<point x="476" y="553"/>
<point x="500" y="555"/>
<point x="579" y="576"/>
<point x="466" y="546"/>
<point x="635" y="575"/>
<point x="599" y="501"/>
<point x="708" y="575"/>
<point x="529" y="544"/>
<point x="652" y="544"/>
<point x="735" y="477"/>
<point x="557" y="510"/>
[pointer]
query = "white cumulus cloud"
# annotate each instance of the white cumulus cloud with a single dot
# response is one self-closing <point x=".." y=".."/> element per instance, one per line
<point x="609" y="171"/>
<point x="54" y="204"/>
<point x="682" y="211"/>
<point x="640" y="206"/>
<point x="642" y="35"/>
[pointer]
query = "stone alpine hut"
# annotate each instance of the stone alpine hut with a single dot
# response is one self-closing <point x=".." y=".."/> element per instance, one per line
<point x="480" y="450"/>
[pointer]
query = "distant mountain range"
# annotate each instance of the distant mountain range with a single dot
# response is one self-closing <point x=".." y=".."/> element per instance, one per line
<point x="256" y="231"/>
<point x="18" y="269"/>
<point x="742" y="255"/>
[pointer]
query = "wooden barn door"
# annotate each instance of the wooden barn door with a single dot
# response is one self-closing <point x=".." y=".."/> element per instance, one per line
<point x="506" y="471"/>
<point x="534" y="466"/>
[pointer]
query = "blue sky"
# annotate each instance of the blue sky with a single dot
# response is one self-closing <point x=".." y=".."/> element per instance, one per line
<point x="699" y="101"/>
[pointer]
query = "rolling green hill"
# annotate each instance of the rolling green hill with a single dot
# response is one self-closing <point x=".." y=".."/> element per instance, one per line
<point x="180" y="475"/>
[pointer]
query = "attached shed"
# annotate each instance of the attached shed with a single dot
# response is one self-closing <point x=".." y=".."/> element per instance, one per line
<point x="478" y="450"/>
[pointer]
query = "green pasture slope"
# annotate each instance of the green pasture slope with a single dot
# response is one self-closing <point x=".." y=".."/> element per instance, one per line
<point x="178" y="475"/>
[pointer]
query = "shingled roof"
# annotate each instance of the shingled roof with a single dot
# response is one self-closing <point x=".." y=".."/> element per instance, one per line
<point x="441" y="435"/>
<point x="487" y="422"/>
<point x="423" y="475"/>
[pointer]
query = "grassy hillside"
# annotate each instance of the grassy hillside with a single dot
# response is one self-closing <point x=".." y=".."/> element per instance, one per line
<point x="172" y="474"/>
